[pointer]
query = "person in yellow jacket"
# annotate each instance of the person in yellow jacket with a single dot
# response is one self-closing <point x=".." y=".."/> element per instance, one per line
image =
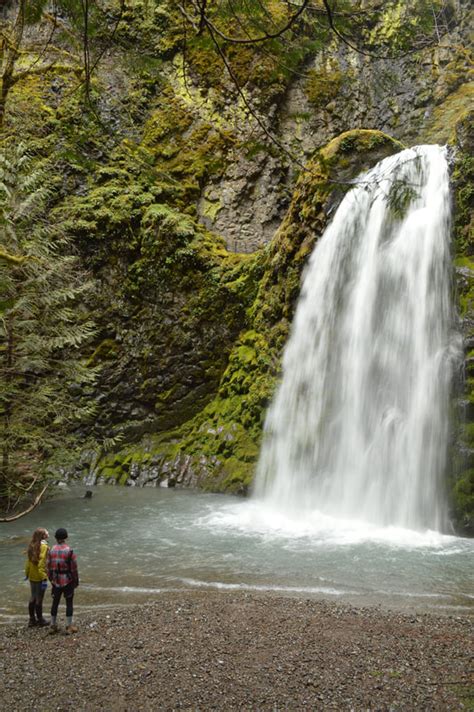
<point x="35" y="572"/>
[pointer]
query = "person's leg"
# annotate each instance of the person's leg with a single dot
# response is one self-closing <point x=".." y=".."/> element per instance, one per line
<point x="39" y="605"/>
<point x="56" y="593"/>
<point x="69" y="596"/>
<point x="31" y="605"/>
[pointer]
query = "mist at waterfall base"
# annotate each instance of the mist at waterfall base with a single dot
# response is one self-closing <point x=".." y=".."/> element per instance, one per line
<point x="348" y="502"/>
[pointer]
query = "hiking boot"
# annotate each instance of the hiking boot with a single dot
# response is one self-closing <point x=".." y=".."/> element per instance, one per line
<point x="31" y="613"/>
<point x="39" y="615"/>
<point x="70" y="629"/>
<point x="53" y="629"/>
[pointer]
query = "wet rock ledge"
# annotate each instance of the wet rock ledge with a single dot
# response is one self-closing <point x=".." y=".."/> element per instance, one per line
<point x="220" y="651"/>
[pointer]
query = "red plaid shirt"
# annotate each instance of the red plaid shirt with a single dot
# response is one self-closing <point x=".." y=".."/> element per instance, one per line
<point x="61" y="565"/>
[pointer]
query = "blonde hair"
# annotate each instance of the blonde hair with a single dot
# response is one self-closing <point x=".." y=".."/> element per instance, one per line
<point x="34" y="546"/>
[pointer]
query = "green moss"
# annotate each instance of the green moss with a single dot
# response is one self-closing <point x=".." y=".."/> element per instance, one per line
<point x="467" y="433"/>
<point x="113" y="473"/>
<point x="107" y="350"/>
<point x="463" y="501"/>
<point x="439" y="127"/>
<point x="462" y="495"/>
<point x="229" y="427"/>
<point x="360" y="140"/>
<point x="210" y="208"/>
<point x="238" y="476"/>
<point x="323" y="85"/>
<point x="400" y="24"/>
<point x="462" y="180"/>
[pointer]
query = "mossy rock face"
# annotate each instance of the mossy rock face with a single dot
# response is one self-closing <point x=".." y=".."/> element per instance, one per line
<point x="320" y="188"/>
<point x="461" y="483"/>
<point x="220" y="444"/>
<point x="439" y="128"/>
<point x="323" y="84"/>
<point x="174" y="317"/>
<point x="190" y="336"/>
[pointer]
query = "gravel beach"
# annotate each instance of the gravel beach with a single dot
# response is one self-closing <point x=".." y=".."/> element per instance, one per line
<point x="220" y="651"/>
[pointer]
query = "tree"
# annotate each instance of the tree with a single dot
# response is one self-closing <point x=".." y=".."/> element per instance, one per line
<point x="16" y="60"/>
<point x="76" y="23"/>
<point x="43" y="324"/>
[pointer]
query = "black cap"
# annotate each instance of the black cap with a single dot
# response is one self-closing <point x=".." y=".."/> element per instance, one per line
<point x="60" y="534"/>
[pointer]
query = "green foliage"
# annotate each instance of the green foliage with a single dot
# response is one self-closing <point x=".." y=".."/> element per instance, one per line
<point x="34" y="10"/>
<point x="463" y="181"/>
<point x="400" y="197"/>
<point x="463" y="499"/>
<point x="323" y="85"/>
<point x="462" y="482"/>
<point x="43" y="323"/>
<point x="404" y="24"/>
<point x="157" y="28"/>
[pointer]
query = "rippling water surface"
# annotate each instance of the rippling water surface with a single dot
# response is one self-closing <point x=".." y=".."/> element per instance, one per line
<point x="134" y="543"/>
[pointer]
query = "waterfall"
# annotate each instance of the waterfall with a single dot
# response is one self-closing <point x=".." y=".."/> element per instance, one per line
<point x="358" y="428"/>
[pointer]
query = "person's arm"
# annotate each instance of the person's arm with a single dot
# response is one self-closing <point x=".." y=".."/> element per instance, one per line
<point x="27" y="567"/>
<point x="42" y="561"/>
<point x="49" y="571"/>
<point x="74" y="570"/>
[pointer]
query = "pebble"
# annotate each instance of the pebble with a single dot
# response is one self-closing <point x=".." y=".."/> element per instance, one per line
<point x="225" y="651"/>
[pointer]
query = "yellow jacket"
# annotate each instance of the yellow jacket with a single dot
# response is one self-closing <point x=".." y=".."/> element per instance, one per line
<point x="37" y="572"/>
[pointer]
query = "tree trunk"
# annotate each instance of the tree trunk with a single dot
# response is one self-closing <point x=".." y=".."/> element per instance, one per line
<point x="7" y="409"/>
<point x="10" y="51"/>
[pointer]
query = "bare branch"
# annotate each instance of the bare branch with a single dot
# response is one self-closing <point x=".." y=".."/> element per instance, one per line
<point x="366" y="53"/>
<point x="28" y="509"/>
<point x="16" y="260"/>
<point x="247" y="104"/>
<point x="59" y="68"/>
<point x="46" y="45"/>
<point x="204" y="20"/>
<point x="111" y="37"/>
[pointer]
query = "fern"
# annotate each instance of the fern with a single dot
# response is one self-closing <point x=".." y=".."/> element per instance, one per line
<point x="41" y="328"/>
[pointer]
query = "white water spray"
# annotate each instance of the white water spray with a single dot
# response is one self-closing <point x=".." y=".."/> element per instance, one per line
<point x="359" y="425"/>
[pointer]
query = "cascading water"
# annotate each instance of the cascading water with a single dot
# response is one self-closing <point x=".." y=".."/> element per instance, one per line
<point x="359" y="425"/>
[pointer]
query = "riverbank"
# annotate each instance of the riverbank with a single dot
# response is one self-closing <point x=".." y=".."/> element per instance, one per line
<point x="219" y="651"/>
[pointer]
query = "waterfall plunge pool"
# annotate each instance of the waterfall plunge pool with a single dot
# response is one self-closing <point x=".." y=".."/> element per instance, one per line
<point x="134" y="543"/>
<point x="359" y="425"/>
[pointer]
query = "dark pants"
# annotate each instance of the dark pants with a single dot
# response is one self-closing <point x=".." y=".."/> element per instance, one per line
<point x="37" y="592"/>
<point x="36" y="602"/>
<point x="68" y="592"/>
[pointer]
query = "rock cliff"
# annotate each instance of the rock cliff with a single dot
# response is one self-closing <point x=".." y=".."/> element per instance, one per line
<point x="194" y="196"/>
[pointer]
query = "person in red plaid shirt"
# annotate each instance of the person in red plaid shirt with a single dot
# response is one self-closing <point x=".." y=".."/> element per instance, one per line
<point x="61" y="565"/>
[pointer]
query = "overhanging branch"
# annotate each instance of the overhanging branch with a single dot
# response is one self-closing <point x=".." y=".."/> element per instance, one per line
<point x="205" y="21"/>
<point x="28" y="509"/>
